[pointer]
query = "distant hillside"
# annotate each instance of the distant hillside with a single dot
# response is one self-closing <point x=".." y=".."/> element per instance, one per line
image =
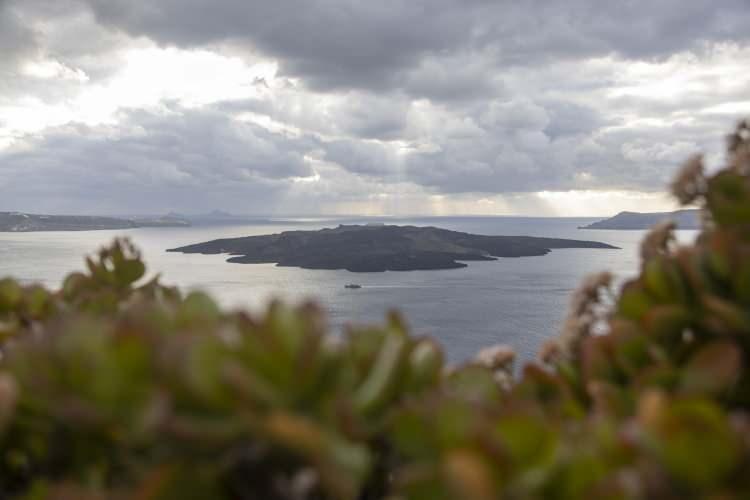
<point x="685" y="219"/>
<point x="23" y="222"/>
<point x="169" y="220"/>
<point x="218" y="218"/>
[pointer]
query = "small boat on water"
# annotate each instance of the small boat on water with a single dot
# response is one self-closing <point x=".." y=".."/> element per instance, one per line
<point x="352" y="285"/>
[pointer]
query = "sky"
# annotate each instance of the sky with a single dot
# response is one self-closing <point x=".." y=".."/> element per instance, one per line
<point x="411" y="107"/>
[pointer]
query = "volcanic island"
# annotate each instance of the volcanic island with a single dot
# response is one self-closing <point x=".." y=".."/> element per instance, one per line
<point x="377" y="248"/>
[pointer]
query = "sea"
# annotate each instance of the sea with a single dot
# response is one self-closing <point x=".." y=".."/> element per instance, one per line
<point x="515" y="301"/>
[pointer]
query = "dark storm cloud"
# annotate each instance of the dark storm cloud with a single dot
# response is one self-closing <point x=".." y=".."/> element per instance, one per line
<point x="371" y="117"/>
<point x="17" y="40"/>
<point x="528" y="147"/>
<point x="535" y="31"/>
<point x="360" y="157"/>
<point x="332" y="44"/>
<point x="335" y="44"/>
<point x="460" y="77"/>
<point x="357" y="114"/>
<point x="182" y="159"/>
<point x="569" y="118"/>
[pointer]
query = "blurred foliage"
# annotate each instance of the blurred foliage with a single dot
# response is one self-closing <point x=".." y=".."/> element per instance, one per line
<point x="115" y="389"/>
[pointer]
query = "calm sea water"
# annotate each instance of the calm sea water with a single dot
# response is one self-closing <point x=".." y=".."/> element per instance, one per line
<point x="517" y="301"/>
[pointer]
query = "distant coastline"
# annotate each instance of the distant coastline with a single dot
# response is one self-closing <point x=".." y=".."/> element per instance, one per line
<point x="32" y="222"/>
<point x="20" y="222"/>
<point x="685" y="219"/>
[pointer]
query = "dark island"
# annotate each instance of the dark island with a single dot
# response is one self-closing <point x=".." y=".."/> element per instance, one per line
<point x="685" y="219"/>
<point x="373" y="248"/>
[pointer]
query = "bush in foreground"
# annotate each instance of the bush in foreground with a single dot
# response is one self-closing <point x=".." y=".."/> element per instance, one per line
<point x="114" y="389"/>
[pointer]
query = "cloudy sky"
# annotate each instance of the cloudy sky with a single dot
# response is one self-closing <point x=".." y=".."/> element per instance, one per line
<point x="576" y="107"/>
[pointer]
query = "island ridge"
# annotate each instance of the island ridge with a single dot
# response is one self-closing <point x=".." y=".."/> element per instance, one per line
<point x="375" y="248"/>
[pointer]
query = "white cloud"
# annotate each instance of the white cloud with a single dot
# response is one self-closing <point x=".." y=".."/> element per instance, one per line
<point x="147" y="78"/>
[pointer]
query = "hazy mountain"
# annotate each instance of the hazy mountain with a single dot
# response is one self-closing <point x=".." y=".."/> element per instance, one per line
<point x="685" y="219"/>
<point x="24" y="222"/>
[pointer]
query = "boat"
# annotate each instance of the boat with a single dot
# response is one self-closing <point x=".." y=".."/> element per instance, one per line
<point x="352" y="285"/>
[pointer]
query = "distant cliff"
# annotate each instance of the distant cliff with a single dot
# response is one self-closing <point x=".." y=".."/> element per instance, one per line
<point x="685" y="219"/>
<point x="23" y="222"/>
<point x="373" y="248"/>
